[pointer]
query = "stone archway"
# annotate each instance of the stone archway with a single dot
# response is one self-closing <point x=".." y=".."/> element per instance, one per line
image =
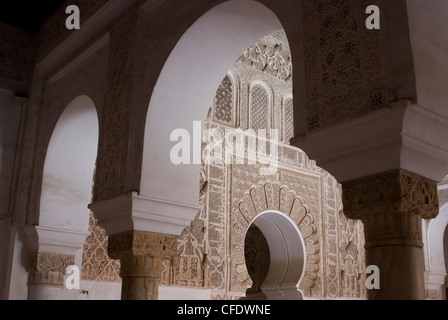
<point x="283" y="218"/>
<point x="186" y="88"/>
<point x="287" y="256"/>
<point x="63" y="221"/>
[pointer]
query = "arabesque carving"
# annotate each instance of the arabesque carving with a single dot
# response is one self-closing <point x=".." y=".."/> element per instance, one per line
<point x="391" y="205"/>
<point x="211" y="251"/>
<point x="272" y="196"/>
<point x="96" y="264"/>
<point x="48" y="268"/>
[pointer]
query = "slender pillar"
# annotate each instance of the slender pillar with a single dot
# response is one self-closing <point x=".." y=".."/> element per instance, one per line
<point x="391" y="205"/>
<point x="141" y="255"/>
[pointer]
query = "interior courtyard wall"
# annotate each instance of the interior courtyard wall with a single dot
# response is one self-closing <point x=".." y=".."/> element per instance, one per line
<point x="52" y="40"/>
<point x="75" y="77"/>
<point x="335" y="267"/>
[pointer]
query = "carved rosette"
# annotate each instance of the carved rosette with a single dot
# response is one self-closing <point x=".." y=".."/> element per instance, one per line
<point x="391" y="205"/>
<point x="48" y="268"/>
<point x="272" y="196"/>
<point x="273" y="60"/>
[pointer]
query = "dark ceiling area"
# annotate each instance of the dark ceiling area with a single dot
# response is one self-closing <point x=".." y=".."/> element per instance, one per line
<point x="28" y="15"/>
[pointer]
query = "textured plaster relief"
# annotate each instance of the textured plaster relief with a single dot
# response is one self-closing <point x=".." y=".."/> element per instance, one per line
<point x="96" y="264"/>
<point x="215" y="253"/>
<point x="345" y="70"/>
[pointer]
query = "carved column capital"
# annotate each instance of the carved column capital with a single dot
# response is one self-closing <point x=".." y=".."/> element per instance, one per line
<point x="391" y="205"/>
<point x="48" y="268"/>
<point x="49" y="252"/>
<point x="141" y="255"/>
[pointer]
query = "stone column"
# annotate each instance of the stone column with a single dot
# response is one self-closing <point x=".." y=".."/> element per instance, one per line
<point x="391" y="205"/>
<point x="141" y="255"/>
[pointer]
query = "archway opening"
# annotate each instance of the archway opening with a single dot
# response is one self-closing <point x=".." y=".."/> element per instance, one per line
<point x="69" y="167"/>
<point x="258" y="258"/>
<point x="275" y="257"/>
<point x="186" y="88"/>
<point x="63" y="220"/>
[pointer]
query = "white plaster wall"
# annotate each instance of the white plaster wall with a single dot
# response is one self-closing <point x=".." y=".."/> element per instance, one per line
<point x="18" y="275"/>
<point x="185" y="90"/>
<point x="69" y="167"/>
<point x="429" y="41"/>
<point x="183" y="293"/>
<point x="435" y="240"/>
<point x="100" y="290"/>
<point x="434" y="244"/>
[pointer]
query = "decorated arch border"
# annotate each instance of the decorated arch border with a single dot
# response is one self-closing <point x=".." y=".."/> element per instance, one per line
<point x="265" y="197"/>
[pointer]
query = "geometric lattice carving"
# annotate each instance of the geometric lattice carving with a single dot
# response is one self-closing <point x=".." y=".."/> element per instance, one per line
<point x="345" y="69"/>
<point x="224" y="101"/>
<point x="288" y="125"/>
<point x="259" y="109"/>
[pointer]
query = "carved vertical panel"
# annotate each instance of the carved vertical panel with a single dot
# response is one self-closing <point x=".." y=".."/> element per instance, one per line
<point x="331" y="207"/>
<point x="345" y="68"/>
<point x="288" y="121"/>
<point x="259" y="108"/>
<point x="112" y="159"/>
<point x="223" y="102"/>
<point x="96" y="263"/>
<point x="217" y="244"/>
<point x="352" y="258"/>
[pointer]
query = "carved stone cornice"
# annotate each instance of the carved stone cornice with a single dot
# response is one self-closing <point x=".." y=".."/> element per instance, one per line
<point x="391" y="206"/>
<point x="48" y="268"/>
